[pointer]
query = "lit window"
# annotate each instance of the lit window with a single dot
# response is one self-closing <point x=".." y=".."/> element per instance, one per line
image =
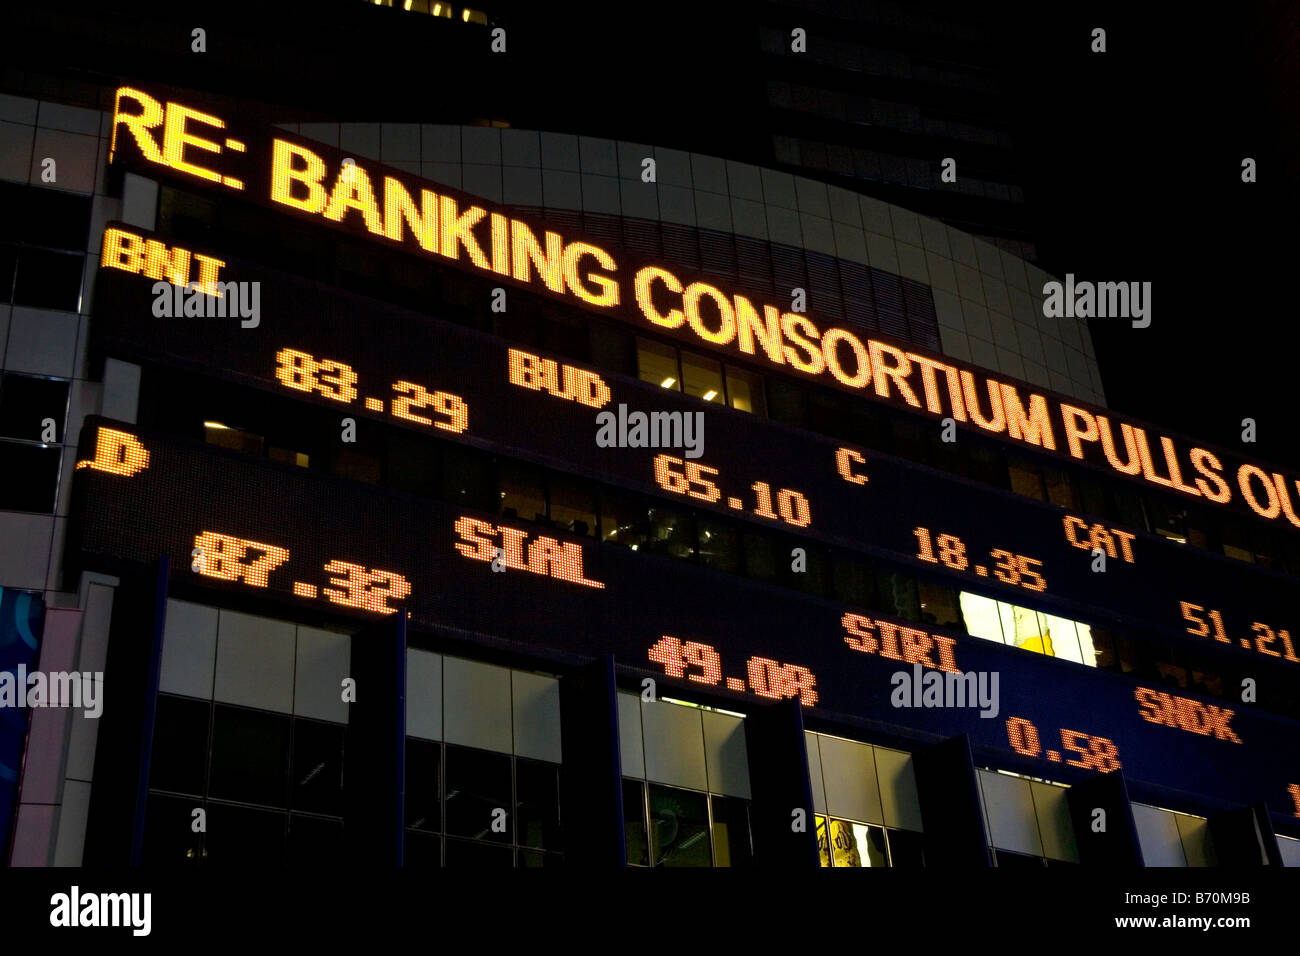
<point x="473" y="16"/>
<point x="657" y="364"/>
<point x="745" y="391"/>
<point x="1025" y="479"/>
<point x="702" y="377"/>
<point x="981" y="616"/>
<point x="216" y="433"/>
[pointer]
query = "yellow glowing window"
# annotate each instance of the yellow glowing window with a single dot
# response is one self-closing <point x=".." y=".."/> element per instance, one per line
<point x="442" y="10"/>
<point x="701" y="376"/>
<point x="1240" y="554"/>
<point x="473" y="16"/>
<point x="657" y="363"/>
<point x="745" y="391"/>
<point x="217" y="433"/>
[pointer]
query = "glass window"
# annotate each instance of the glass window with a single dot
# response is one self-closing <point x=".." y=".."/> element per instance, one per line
<point x="787" y="402"/>
<point x="573" y="507"/>
<point x="760" y="554"/>
<point x="679" y="827"/>
<point x="865" y="843"/>
<point x="474" y="855"/>
<point x="169" y="838"/>
<point x="745" y="391"/>
<point x="250" y="756"/>
<point x="981" y="617"/>
<point x="731" y="839"/>
<point x="25" y="403"/>
<point x="1128" y="505"/>
<point x="623" y="520"/>
<point x="8" y="262"/>
<point x="898" y="595"/>
<point x="523" y="492"/>
<point x="670" y="532"/>
<point x="855" y="581"/>
<point x="357" y="465"/>
<point x="478" y="785"/>
<point x="467" y="480"/>
<point x="719" y="545"/>
<point x="938" y="604"/>
<point x="243" y="836"/>
<point x="423" y="850"/>
<point x="533" y="858"/>
<point x="1168" y="521"/>
<point x="423" y="785"/>
<point x="1060" y="489"/>
<point x="634" y="828"/>
<point x="1105" y="654"/>
<point x="317" y="767"/>
<point x="611" y="348"/>
<point x="289" y="457"/>
<point x="312" y="841"/>
<point x="565" y="334"/>
<point x="702" y="377"/>
<point x="31" y="477"/>
<point x="657" y="363"/>
<point x="180" y="745"/>
<point x="412" y="465"/>
<point x="987" y="466"/>
<point x="815" y="578"/>
<point x="517" y="325"/>
<point x="44" y="217"/>
<point x="537" y="806"/>
<point x="906" y="849"/>
<point x="48" y="280"/>
<point x="224" y="436"/>
<point x="1025" y="479"/>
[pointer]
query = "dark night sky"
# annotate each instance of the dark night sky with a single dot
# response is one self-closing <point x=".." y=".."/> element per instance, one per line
<point x="1135" y="160"/>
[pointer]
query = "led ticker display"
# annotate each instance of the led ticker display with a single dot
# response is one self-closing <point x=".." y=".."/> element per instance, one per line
<point x="346" y="353"/>
<point x="703" y="664"/>
<point x="319" y="184"/>
<point x="334" y="380"/>
<point x="1089" y="752"/>
<point x="366" y="552"/>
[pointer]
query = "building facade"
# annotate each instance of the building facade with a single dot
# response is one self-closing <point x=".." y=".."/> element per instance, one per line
<point x="324" y="462"/>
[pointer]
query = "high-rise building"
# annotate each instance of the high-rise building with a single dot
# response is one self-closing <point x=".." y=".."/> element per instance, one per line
<point x="473" y="493"/>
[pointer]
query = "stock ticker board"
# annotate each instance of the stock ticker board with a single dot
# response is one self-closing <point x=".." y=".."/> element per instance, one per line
<point x="371" y="361"/>
<point x="371" y="552"/>
<point x="355" y="549"/>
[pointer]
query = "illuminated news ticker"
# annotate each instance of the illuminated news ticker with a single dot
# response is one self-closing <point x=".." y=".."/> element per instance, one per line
<point x="1203" y="622"/>
<point x="1014" y="569"/>
<point x="334" y="380"/>
<point x="227" y="558"/>
<point x="695" y="480"/>
<point x="311" y="180"/>
<point x="702" y="664"/>
<point x="1186" y="714"/>
<point x="134" y="501"/>
<point x="1091" y="752"/>
<point x="755" y="471"/>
